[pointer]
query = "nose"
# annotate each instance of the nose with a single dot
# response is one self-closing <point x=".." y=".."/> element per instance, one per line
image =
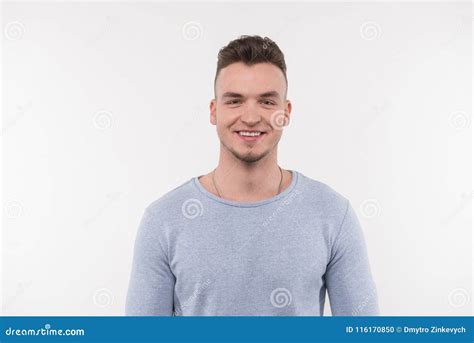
<point x="251" y="115"/>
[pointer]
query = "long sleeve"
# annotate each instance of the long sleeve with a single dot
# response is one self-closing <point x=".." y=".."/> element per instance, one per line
<point x="349" y="282"/>
<point x="151" y="285"/>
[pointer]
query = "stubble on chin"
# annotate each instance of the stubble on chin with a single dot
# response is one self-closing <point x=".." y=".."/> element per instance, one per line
<point x="250" y="156"/>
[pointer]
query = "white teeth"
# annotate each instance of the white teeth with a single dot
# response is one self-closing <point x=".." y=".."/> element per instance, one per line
<point x="252" y="134"/>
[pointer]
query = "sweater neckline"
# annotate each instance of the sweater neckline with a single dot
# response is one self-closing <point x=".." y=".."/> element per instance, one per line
<point x="289" y="189"/>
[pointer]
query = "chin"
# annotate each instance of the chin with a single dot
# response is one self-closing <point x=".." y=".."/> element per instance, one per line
<point x="249" y="157"/>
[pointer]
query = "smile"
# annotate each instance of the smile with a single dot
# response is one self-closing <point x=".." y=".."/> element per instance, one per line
<point x="250" y="136"/>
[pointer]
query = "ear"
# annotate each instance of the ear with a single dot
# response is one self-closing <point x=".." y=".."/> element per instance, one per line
<point x="212" y="109"/>
<point x="288" y="108"/>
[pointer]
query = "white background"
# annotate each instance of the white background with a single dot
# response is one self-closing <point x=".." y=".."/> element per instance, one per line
<point x="105" y="109"/>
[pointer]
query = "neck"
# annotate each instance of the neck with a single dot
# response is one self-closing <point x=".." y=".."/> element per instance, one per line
<point x="248" y="181"/>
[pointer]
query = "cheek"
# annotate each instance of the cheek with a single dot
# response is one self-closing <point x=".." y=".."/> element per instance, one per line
<point x="274" y="136"/>
<point x="223" y="130"/>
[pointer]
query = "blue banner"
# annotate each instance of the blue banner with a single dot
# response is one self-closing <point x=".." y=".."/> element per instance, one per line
<point x="237" y="329"/>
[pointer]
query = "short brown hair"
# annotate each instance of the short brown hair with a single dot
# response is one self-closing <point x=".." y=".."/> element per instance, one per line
<point x="251" y="50"/>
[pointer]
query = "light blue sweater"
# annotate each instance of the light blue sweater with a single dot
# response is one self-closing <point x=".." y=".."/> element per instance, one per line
<point x="200" y="255"/>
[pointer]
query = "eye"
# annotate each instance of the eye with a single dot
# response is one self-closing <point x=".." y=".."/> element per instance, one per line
<point x="267" y="102"/>
<point x="233" y="102"/>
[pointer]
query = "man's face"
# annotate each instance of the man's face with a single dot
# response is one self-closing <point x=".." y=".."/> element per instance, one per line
<point x="250" y="98"/>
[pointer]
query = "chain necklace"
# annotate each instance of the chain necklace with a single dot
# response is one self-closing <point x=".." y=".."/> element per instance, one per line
<point x="215" y="186"/>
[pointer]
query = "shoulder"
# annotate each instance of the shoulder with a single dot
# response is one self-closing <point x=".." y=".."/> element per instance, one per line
<point x="322" y="198"/>
<point x="170" y="204"/>
<point x="331" y="210"/>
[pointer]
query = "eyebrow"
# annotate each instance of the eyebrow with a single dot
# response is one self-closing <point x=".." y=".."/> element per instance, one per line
<point x="270" y="94"/>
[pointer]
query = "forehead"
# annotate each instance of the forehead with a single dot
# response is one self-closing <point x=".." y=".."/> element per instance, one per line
<point x="251" y="80"/>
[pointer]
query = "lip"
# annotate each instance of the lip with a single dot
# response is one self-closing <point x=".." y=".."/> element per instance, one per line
<point x="249" y="138"/>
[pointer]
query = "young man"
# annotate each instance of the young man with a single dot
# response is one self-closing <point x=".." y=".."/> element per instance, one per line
<point x="250" y="238"/>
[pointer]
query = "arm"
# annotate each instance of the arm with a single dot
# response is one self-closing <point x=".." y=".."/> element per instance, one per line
<point x="151" y="286"/>
<point x="349" y="282"/>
